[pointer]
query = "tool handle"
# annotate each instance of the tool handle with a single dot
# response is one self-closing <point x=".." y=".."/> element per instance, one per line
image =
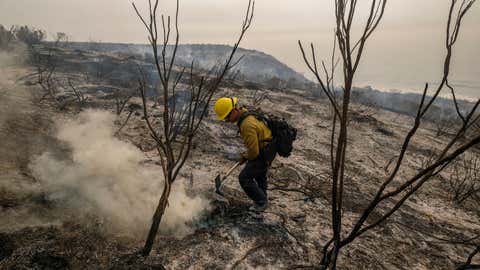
<point x="231" y="169"/>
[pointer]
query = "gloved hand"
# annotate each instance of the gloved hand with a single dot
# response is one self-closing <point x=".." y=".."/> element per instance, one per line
<point x="243" y="160"/>
<point x="233" y="157"/>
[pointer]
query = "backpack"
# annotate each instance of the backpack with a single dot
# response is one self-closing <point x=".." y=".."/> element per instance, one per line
<point x="282" y="132"/>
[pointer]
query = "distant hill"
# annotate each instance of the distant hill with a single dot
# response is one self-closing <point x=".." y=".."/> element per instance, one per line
<point x="255" y="66"/>
<point x="442" y="109"/>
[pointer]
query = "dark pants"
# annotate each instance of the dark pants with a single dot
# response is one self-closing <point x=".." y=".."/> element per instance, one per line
<point x="253" y="178"/>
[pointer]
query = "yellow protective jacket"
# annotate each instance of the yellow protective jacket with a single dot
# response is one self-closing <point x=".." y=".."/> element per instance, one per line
<point x="255" y="134"/>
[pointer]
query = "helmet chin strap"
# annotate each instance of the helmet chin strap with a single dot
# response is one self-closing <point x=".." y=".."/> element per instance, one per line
<point x="233" y="106"/>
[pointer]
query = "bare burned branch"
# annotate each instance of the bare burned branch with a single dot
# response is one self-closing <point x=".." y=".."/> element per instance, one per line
<point x="351" y="53"/>
<point x="184" y="105"/>
<point x="464" y="179"/>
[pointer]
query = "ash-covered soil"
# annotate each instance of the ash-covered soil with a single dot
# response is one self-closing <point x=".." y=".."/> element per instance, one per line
<point x="39" y="233"/>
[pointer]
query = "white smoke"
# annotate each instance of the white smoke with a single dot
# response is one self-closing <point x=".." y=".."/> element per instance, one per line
<point x="106" y="176"/>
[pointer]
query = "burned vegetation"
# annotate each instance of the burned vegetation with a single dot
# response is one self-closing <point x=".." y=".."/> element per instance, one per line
<point x="110" y="159"/>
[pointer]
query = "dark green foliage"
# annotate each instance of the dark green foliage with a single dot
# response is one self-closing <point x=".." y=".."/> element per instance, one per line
<point x="6" y="36"/>
<point x="20" y="34"/>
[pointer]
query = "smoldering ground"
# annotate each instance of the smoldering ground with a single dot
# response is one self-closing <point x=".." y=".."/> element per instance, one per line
<point x="77" y="166"/>
<point x="107" y="177"/>
<point x="23" y="133"/>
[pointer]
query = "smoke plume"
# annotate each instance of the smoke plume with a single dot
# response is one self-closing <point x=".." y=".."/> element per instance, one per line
<point x="108" y="177"/>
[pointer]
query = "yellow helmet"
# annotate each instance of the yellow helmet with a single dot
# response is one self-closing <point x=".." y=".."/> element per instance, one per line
<point x="223" y="106"/>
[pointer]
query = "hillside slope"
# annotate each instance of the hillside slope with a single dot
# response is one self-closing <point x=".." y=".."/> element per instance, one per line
<point x="41" y="230"/>
<point x="255" y="66"/>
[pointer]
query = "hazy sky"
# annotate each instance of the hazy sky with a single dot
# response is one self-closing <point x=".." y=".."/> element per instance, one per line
<point x="406" y="51"/>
